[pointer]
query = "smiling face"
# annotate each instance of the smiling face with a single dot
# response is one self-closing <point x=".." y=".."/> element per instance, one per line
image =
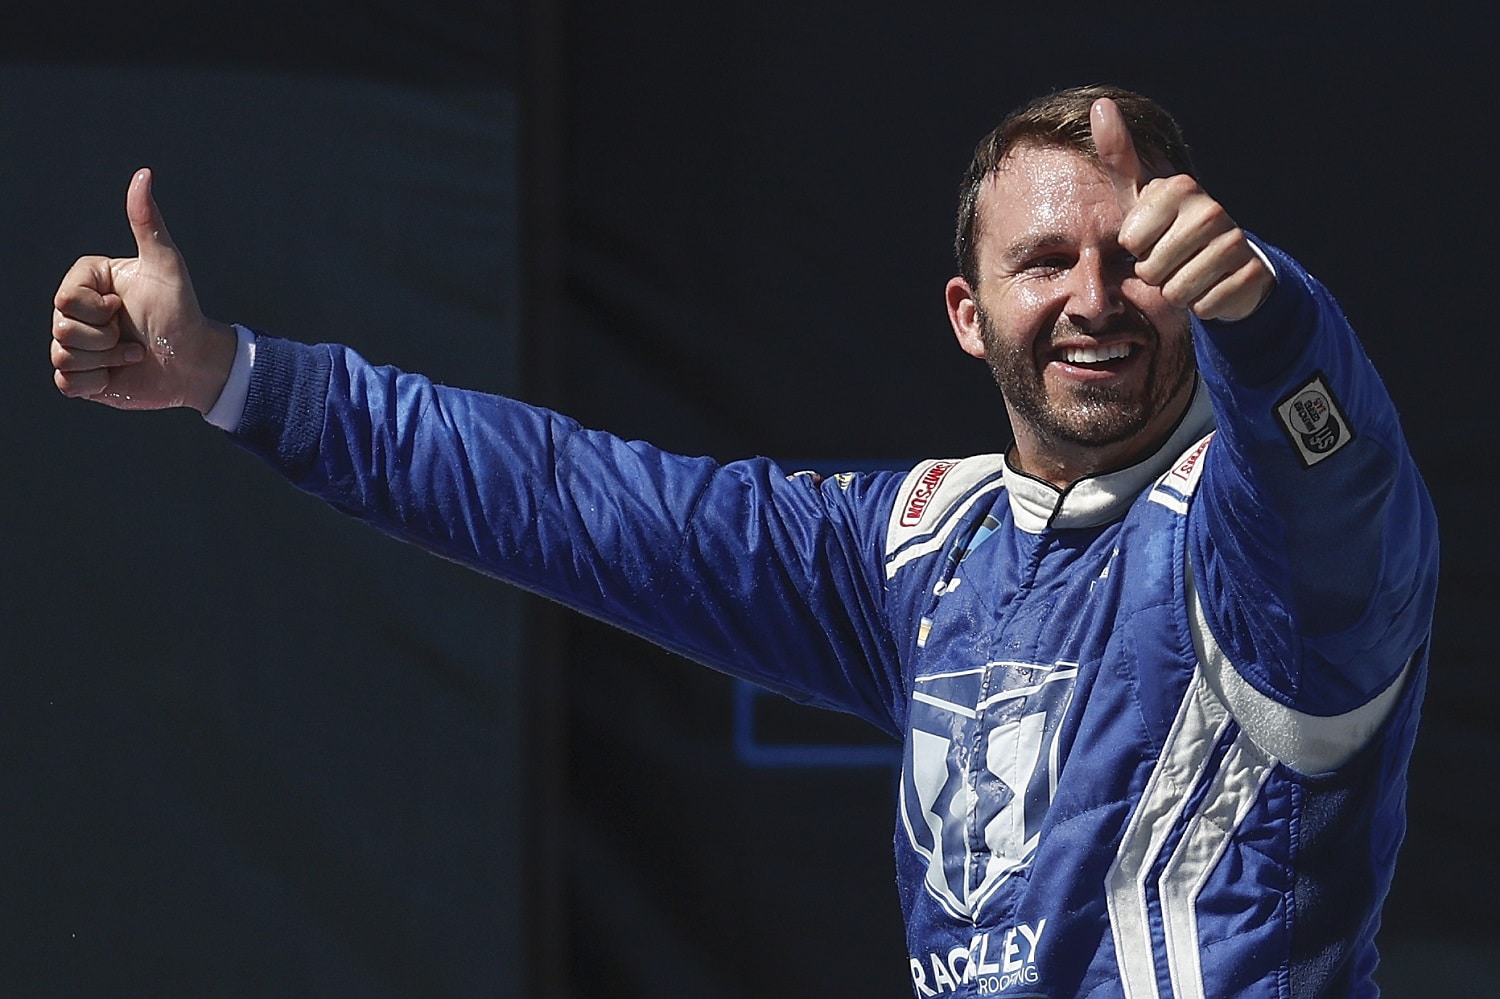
<point x="1095" y="367"/>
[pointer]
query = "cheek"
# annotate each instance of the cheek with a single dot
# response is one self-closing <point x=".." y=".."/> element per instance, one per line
<point x="1025" y="310"/>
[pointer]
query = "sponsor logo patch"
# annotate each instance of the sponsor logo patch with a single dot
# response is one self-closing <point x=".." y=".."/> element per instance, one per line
<point x="922" y="493"/>
<point x="1314" y="421"/>
<point x="1185" y="474"/>
<point x="1174" y="489"/>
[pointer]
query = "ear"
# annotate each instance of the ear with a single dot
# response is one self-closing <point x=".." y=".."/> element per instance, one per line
<point x="963" y="314"/>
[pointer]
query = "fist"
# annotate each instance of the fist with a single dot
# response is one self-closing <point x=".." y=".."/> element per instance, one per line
<point x="128" y="332"/>
<point x="1184" y="241"/>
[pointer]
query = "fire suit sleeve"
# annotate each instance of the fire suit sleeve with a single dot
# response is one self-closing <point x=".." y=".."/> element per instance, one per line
<point x="771" y="578"/>
<point x="1313" y="541"/>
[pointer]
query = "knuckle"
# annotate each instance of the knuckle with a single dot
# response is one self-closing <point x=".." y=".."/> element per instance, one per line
<point x="1178" y="185"/>
<point x="1179" y="294"/>
<point x="1234" y="241"/>
<point x="1132" y="242"/>
<point x="65" y="332"/>
<point x="1207" y="220"/>
<point x="68" y="384"/>
<point x="1150" y="271"/>
<point x="1176" y="299"/>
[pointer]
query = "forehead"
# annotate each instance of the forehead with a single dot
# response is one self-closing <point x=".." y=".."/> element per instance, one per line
<point x="1042" y="191"/>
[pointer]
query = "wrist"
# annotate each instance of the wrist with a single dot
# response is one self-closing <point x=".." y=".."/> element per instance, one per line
<point x="208" y="369"/>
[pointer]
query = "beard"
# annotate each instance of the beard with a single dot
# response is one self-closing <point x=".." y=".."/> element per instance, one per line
<point x="1092" y="415"/>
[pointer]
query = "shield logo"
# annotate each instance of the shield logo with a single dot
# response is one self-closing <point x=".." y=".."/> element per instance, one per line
<point x="980" y="774"/>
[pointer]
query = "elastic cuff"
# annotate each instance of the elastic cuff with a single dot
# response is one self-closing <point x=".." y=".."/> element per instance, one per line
<point x="230" y="406"/>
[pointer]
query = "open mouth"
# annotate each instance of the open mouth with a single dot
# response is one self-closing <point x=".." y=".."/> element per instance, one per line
<point x="1100" y="358"/>
<point x="1096" y="355"/>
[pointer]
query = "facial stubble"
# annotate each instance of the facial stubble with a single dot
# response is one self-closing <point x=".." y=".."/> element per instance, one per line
<point x="1093" y="415"/>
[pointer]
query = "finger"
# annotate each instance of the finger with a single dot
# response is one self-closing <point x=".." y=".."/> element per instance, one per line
<point x="153" y="242"/>
<point x="1201" y="274"/>
<point x="87" y="292"/>
<point x="1117" y="152"/>
<point x="71" y="359"/>
<point x="84" y="336"/>
<point x="1174" y="221"/>
<point x="1237" y="294"/>
<point x="81" y="384"/>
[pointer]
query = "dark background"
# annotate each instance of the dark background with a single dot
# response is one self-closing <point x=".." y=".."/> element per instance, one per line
<point x="250" y="748"/>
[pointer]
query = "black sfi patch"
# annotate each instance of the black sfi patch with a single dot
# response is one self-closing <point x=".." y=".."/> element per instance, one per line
<point x="1314" y="421"/>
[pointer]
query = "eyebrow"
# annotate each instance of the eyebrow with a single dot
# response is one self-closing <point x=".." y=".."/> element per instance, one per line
<point x="1022" y="250"/>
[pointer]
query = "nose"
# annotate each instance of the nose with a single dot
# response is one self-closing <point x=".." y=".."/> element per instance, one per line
<point x="1094" y="295"/>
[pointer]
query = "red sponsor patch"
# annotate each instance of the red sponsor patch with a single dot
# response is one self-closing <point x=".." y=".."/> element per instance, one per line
<point x="922" y="493"/>
<point x="1184" y="471"/>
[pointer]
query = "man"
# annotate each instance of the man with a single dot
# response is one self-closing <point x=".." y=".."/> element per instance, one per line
<point x="1157" y="669"/>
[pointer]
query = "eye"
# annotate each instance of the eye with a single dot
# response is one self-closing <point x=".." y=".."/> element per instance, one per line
<point x="1052" y="263"/>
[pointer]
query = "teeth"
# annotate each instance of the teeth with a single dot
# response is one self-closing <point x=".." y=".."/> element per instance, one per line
<point x="1093" y="355"/>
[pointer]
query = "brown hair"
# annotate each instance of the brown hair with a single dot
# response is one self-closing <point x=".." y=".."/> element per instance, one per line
<point x="1061" y="120"/>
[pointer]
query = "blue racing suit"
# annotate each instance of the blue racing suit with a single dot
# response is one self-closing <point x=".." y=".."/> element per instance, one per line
<point x="1156" y="725"/>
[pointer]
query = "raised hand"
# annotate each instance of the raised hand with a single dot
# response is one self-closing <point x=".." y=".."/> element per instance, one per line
<point x="1183" y="240"/>
<point x="128" y="332"/>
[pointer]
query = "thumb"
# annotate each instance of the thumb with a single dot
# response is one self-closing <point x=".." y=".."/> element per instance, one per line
<point x="153" y="243"/>
<point x="1117" y="153"/>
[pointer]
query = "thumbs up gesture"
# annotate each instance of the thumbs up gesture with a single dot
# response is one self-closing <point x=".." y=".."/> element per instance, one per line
<point x="128" y="332"/>
<point x="1184" y="242"/>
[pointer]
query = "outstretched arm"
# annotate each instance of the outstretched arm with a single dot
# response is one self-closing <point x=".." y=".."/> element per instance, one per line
<point x="736" y="566"/>
<point x="128" y="332"/>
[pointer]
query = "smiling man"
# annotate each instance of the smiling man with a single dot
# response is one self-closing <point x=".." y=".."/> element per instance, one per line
<point x="1157" y="668"/>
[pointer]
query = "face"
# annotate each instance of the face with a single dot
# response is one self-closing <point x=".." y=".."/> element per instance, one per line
<point x="1094" y="365"/>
